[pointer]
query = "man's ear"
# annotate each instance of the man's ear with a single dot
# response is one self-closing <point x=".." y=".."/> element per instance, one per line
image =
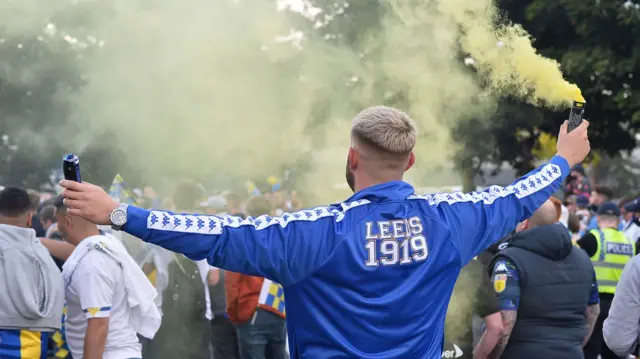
<point x="30" y="219"/>
<point x="354" y="157"/>
<point x="67" y="221"/>
<point x="412" y="161"/>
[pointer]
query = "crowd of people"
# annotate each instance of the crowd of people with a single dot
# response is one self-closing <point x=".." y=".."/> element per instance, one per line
<point x="85" y="289"/>
<point x="205" y="312"/>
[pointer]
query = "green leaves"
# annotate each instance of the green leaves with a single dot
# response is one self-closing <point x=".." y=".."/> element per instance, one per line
<point x="598" y="49"/>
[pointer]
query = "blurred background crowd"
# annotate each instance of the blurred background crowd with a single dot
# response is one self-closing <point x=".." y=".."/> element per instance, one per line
<point x="213" y="314"/>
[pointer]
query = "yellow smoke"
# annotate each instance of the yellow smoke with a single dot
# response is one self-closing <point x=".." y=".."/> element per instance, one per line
<point x="466" y="295"/>
<point x="236" y="89"/>
<point x="515" y="68"/>
<point x="505" y="55"/>
<point x="546" y="146"/>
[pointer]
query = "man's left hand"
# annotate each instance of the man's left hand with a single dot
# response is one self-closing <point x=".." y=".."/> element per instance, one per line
<point x="88" y="201"/>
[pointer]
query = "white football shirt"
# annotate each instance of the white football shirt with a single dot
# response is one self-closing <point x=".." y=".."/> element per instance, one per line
<point x="96" y="290"/>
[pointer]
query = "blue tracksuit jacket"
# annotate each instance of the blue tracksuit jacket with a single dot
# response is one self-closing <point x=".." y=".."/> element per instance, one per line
<point x="367" y="278"/>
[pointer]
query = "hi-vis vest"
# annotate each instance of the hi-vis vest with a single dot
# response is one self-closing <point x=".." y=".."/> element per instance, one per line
<point x="614" y="251"/>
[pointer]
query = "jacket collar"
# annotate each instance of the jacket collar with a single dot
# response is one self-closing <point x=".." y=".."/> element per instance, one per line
<point x="12" y="235"/>
<point x="394" y="190"/>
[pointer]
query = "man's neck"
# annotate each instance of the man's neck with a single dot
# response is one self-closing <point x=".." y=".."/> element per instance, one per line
<point x="366" y="183"/>
<point x="89" y="232"/>
<point x="14" y="221"/>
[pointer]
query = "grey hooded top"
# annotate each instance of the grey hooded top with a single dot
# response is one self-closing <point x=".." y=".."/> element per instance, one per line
<point x="31" y="285"/>
<point x="621" y="329"/>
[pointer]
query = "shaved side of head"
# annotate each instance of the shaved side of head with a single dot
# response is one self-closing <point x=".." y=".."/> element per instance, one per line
<point x="382" y="141"/>
<point x="546" y="214"/>
<point x="384" y="135"/>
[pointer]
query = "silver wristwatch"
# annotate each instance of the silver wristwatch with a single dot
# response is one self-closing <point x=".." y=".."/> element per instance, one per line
<point x="118" y="216"/>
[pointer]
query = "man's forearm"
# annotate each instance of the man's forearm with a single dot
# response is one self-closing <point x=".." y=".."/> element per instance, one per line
<point x="487" y="343"/>
<point x="221" y="241"/>
<point x="96" y="338"/>
<point x="490" y="336"/>
<point x="509" y="320"/>
<point x="59" y="249"/>
<point x="591" y="317"/>
<point x="169" y="230"/>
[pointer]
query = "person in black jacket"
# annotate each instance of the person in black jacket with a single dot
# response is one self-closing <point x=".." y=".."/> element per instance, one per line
<point x="36" y="223"/>
<point x="48" y="220"/>
<point x="546" y="289"/>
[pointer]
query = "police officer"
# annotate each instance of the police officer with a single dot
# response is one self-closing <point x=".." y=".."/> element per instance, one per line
<point x="609" y="250"/>
<point x="546" y="291"/>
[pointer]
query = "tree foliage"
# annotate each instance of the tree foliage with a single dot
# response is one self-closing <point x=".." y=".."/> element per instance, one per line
<point x="598" y="48"/>
<point x="32" y="73"/>
<point x="596" y="43"/>
<point x="38" y="71"/>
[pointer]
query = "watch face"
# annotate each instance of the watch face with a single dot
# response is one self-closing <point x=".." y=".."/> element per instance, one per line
<point x="119" y="217"/>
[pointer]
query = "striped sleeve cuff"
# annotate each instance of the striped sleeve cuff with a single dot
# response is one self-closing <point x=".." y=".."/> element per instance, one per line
<point x="96" y="312"/>
<point x="563" y="164"/>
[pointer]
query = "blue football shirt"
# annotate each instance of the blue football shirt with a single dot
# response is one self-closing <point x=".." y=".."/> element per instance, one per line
<point x="370" y="277"/>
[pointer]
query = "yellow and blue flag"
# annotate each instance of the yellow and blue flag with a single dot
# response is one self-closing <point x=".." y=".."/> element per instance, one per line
<point x="275" y="183"/>
<point x="120" y="192"/>
<point x="60" y="347"/>
<point x="272" y="296"/>
<point x="252" y="189"/>
<point x="23" y="344"/>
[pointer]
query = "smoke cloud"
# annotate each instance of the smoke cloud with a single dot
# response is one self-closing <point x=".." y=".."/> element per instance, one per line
<point x="236" y="89"/>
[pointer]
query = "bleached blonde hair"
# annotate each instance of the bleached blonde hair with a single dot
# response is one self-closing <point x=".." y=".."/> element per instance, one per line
<point x="386" y="129"/>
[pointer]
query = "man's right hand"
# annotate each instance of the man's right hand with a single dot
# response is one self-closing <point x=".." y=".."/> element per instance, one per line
<point x="88" y="201"/>
<point x="573" y="146"/>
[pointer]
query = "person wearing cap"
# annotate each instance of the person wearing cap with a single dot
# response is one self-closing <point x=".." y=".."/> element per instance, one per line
<point x="583" y="213"/>
<point x="631" y="227"/>
<point x="609" y="250"/>
<point x="582" y="203"/>
<point x="577" y="183"/>
<point x="600" y="195"/>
